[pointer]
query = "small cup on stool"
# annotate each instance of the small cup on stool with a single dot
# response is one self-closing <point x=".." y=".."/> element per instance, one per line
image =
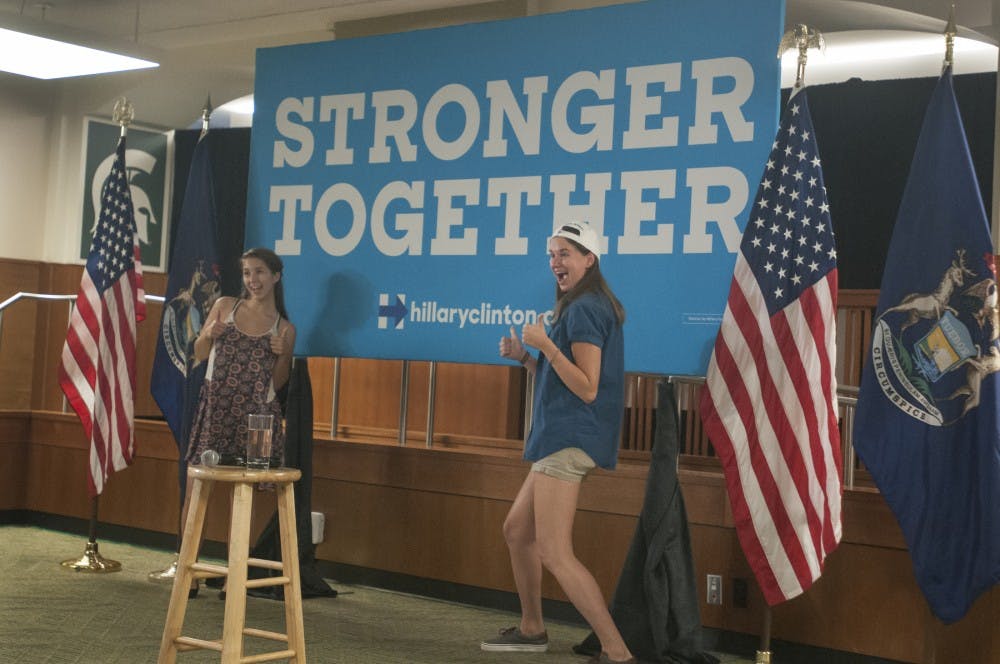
<point x="260" y="428"/>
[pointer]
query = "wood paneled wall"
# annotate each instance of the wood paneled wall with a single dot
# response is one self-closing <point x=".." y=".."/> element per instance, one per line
<point x="36" y="332"/>
<point x="489" y="399"/>
<point x="145" y="495"/>
<point x="15" y="445"/>
<point x="437" y="514"/>
<point x="18" y="343"/>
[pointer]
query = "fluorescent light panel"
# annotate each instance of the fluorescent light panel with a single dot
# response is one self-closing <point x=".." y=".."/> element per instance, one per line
<point x="40" y="57"/>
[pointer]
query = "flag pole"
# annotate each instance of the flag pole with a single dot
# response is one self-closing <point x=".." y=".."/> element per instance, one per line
<point x="801" y="38"/>
<point x="930" y="621"/>
<point x="764" y="651"/>
<point x="167" y="574"/>
<point x="92" y="560"/>
<point x="206" y="114"/>
<point x="949" y="39"/>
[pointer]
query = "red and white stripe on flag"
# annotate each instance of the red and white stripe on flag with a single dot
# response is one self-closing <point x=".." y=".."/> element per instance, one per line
<point x="769" y="404"/>
<point x="97" y="372"/>
<point x="770" y="410"/>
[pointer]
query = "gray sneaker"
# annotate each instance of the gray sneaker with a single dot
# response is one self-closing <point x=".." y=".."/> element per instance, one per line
<point x="602" y="658"/>
<point x="511" y="639"/>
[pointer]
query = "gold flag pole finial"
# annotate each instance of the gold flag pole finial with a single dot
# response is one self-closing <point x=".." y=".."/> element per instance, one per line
<point x="206" y="113"/>
<point x="803" y="38"/>
<point x="123" y="113"/>
<point x="950" y="31"/>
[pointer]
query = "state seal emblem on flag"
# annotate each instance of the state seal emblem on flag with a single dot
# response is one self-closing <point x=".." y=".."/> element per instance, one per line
<point x="931" y="351"/>
<point x="184" y="315"/>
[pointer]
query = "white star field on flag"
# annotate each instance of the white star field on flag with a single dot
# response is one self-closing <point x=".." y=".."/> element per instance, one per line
<point x="789" y="243"/>
<point x="113" y="241"/>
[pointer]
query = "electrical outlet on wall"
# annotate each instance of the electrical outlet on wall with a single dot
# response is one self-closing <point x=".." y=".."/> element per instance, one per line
<point x="714" y="594"/>
<point x="740" y="593"/>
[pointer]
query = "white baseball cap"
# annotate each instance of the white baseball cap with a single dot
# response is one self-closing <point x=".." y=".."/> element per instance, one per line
<point x="582" y="234"/>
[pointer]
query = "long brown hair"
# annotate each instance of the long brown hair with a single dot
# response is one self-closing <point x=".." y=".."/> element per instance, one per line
<point x="276" y="266"/>
<point x="591" y="281"/>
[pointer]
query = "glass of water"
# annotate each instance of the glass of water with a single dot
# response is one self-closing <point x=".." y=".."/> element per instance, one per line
<point x="259" y="431"/>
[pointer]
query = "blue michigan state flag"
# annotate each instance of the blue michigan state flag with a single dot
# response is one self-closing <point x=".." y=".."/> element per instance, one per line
<point x="193" y="285"/>
<point x="927" y="418"/>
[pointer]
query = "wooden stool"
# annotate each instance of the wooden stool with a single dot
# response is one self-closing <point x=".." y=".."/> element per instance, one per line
<point x="188" y="567"/>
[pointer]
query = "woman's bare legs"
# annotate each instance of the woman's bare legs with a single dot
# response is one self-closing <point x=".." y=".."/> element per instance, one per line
<point x="555" y="508"/>
<point x="539" y="531"/>
<point x="519" y="532"/>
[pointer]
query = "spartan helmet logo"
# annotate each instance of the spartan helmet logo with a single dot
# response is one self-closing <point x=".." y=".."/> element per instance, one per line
<point x="136" y="161"/>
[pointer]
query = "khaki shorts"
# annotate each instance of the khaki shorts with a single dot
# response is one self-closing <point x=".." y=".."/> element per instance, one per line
<point x="570" y="464"/>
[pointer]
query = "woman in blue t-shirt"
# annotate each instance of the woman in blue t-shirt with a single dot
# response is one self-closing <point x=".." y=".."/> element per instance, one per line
<point x="577" y="414"/>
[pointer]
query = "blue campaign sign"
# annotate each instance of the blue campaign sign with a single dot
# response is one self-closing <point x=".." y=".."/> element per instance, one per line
<point x="410" y="181"/>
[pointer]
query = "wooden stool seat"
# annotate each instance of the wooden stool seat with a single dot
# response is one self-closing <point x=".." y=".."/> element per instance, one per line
<point x="241" y="481"/>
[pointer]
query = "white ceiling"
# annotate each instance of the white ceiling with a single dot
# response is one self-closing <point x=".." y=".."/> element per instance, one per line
<point x="172" y="24"/>
<point x="207" y="46"/>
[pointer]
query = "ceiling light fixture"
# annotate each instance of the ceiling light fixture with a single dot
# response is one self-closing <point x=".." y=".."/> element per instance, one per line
<point x="240" y="106"/>
<point x="46" y="51"/>
<point x="874" y="55"/>
<point x="868" y="45"/>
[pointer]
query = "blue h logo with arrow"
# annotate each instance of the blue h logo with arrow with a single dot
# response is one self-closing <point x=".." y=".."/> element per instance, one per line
<point x="397" y="311"/>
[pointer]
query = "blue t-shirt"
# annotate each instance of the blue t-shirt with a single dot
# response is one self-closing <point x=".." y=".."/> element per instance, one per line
<point x="560" y="419"/>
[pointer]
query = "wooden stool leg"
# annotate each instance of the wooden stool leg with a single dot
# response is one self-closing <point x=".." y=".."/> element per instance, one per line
<point x="290" y="564"/>
<point x="236" y="583"/>
<point x="182" y="579"/>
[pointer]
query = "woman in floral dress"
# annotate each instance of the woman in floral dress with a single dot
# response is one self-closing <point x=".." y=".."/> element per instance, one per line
<point x="248" y="342"/>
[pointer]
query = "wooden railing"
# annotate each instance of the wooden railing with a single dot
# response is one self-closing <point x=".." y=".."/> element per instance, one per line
<point x="855" y="311"/>
<point x="854" y="321"/>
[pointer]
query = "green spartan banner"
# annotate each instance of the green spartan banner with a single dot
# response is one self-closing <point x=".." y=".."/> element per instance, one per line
<point x="146" y="162"/>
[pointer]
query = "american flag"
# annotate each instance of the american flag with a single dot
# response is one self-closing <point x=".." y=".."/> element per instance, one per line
<point x="769" y="404"/>
<point x="97" y="373"/>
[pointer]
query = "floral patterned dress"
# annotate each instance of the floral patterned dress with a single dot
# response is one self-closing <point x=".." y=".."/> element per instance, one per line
<point x="237" y="383"/>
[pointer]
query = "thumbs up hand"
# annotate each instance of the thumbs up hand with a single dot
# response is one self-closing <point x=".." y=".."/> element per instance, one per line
<point x="511" y="347"/>
<point x="278" y="343"/>
<point x="534" y="334"/>
<point x="214" y="329"/>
